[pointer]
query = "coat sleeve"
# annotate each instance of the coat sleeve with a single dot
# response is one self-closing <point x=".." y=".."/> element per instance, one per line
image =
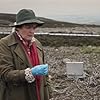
<point x="7" y="70"/>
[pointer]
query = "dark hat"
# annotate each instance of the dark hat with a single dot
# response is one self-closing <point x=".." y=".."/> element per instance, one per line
<point x="25" y="16"/>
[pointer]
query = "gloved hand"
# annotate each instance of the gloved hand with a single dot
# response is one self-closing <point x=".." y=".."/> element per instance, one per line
<point x="40" y="69"/>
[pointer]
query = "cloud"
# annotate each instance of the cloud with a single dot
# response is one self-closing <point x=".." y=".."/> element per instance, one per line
<point x="52" y="7"/>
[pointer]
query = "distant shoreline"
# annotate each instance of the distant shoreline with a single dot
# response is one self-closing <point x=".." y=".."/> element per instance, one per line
<point x="6" y="19"/>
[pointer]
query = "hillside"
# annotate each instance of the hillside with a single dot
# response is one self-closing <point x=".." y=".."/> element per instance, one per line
<point x="6" y="19"/>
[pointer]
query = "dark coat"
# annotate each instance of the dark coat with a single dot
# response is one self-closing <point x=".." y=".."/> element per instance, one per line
<point x="13" y="61"/>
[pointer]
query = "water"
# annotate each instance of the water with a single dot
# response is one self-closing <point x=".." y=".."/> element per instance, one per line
<point x="81" y="19"/>
<point x="61" y="34"/>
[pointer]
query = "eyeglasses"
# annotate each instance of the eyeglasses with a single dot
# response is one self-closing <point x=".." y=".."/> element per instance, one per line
<point x="28" y="26"/>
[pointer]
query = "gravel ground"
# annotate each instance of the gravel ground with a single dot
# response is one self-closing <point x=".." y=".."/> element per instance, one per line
<point x="87" y="88"/>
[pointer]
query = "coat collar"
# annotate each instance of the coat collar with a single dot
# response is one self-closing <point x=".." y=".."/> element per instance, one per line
<point x="13" y="41"/>
<point x="18" y="49"/>
<point x="15" y="44"/>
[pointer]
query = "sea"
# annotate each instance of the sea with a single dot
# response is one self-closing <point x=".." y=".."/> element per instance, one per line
<point x="80" y="19"/>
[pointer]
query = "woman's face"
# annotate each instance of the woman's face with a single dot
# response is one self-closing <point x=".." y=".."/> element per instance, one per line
<point x="27" y="31"/>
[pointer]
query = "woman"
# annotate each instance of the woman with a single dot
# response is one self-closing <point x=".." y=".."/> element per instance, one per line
<point x="22" y="72"/>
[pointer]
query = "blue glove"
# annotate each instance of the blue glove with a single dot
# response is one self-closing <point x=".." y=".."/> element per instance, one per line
<point x="40" y="69"/>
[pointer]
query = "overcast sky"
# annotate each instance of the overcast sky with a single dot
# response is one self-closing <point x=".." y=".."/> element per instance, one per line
<point x="53" y="8"/>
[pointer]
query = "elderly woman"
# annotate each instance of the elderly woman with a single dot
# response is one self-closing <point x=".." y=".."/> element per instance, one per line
<point x="23" y="74"/>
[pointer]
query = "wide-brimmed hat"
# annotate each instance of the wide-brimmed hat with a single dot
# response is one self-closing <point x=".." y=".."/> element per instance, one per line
<point x="26" y="16"/>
